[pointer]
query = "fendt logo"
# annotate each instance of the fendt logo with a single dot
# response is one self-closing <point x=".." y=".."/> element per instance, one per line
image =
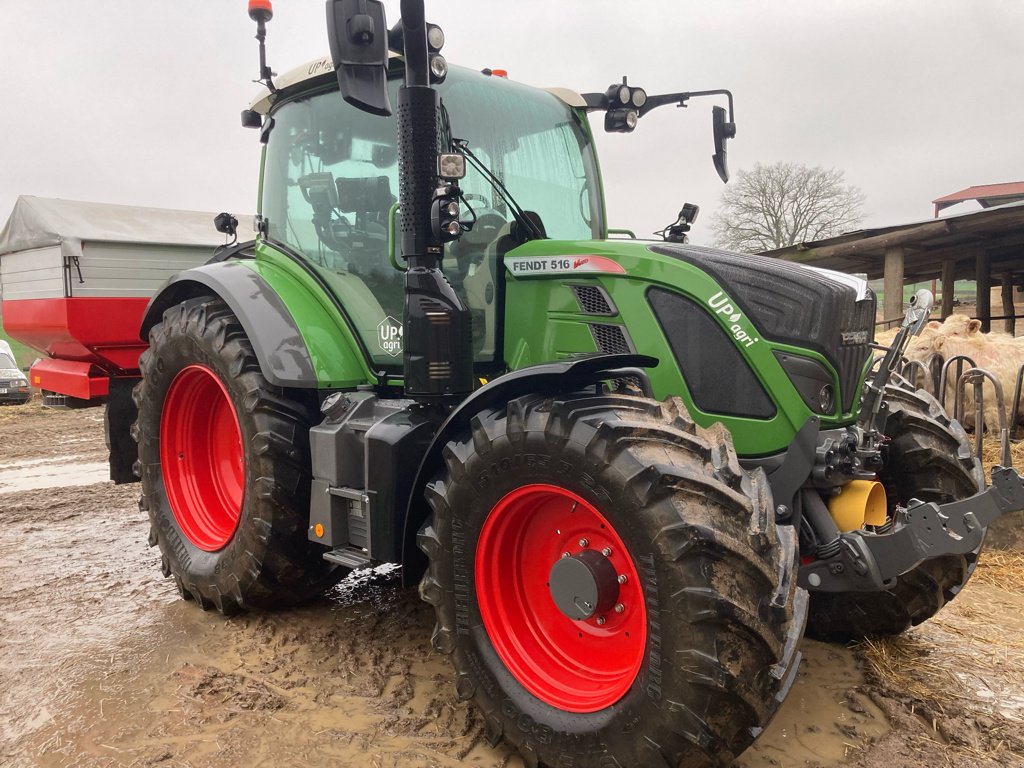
<point x="389" y="336"/>
<point x="722" y="306"/>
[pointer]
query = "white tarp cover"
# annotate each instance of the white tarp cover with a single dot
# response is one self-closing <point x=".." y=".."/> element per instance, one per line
<point x="38" y="222"/>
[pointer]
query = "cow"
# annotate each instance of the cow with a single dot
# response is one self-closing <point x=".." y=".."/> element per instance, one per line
<point x="999" y="353"/>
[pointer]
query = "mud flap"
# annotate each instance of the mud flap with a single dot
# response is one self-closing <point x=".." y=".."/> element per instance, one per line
<point x="118" y="419"/>
<point x="870" y="562"/>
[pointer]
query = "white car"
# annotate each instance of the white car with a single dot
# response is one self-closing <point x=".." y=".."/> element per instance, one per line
<point x="13" y="381"/>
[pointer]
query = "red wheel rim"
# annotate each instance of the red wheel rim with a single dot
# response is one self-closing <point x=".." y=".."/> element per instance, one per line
<point x="202" y="458"/>
<point x="575" y="665"/>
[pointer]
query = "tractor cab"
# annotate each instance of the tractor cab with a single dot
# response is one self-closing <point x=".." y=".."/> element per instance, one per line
<point x="331" y="179"/>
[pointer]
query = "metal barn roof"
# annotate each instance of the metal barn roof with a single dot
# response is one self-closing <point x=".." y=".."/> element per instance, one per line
<point x="987" y="195"/>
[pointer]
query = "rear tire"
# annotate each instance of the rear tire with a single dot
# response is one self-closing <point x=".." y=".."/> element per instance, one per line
<point x="704" y="648"/>
<point x="929" y="458"/>
<point x="225" y="466"/>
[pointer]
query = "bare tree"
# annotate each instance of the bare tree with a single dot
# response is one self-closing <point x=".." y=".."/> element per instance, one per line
<point x="776" y="205"/>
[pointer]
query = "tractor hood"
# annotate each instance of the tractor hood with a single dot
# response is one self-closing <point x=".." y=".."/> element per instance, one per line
<point x="828" y="312"/>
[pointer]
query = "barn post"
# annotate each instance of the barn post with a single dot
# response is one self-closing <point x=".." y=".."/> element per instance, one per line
<point x="1006" y="292"/>
<point x="948" y="286"/>
<point x="893" y="285"/>
<point x="983" y="278"/>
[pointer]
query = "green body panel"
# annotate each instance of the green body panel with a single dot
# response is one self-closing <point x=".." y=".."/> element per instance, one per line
<point x="337" y="358"/>
<point x="545" y="323"/>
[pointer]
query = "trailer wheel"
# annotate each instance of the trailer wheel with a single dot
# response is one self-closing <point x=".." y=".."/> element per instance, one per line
<point x="610" y="584"/>
<point x="929" y="458"/>
<point x="225" y="466"/>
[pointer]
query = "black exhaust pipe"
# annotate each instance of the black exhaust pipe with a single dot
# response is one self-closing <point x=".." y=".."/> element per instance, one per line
<point x="438" y="336"/>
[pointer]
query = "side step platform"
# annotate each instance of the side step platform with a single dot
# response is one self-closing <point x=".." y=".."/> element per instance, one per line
<point x="348" y="557"/>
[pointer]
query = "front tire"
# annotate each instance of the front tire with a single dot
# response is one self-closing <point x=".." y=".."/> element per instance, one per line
<point x="225" y="467"/>
<point x="688" y="644"/>
<point x="929" y="458"/>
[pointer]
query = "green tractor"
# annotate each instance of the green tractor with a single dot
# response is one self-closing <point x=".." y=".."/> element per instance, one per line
<point x="626" y="475"/>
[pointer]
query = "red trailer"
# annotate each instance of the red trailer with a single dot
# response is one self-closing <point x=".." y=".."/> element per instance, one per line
<point x="75" y="279"/>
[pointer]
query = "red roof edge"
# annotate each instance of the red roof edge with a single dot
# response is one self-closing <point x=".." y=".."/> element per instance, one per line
<point x="983" y="191"/>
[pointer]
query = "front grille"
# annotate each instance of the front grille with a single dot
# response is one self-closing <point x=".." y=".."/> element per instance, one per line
<point x="593" y="300"/>
<point x="6" y="383"/>
<point x="611" y="339"/>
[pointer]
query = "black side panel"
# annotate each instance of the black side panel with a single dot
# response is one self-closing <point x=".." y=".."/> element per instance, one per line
<point x="793" y="305"/>
<point x="284" y="359"/>
<point x="717" y="375"/>
<point x="394" y="445"/>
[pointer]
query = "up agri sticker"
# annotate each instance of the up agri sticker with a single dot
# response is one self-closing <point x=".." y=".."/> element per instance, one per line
<point x="722" y="306"/>
<point x="389" y="336"/>
<point x="560" y="265"/>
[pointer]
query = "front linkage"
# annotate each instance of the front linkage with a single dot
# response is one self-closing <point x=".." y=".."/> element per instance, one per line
<point x="866" y="560"/>
<point x="869" y="562"/>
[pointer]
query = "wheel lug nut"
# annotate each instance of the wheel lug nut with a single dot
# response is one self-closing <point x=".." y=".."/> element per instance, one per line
<point x="619" y="608"/>
<point x="601" y="621"/>
<point x="607" y="551"/>
<point x="623" y="578"/>
<point x="583" y="543"/>
<point x="565" y="555"/>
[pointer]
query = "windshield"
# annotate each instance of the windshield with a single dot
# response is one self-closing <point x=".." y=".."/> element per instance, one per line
<point x="6" y="361"/>
<point x="331" y="180"/>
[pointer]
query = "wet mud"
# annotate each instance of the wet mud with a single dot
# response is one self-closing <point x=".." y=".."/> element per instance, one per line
<point x="101" y="664"/>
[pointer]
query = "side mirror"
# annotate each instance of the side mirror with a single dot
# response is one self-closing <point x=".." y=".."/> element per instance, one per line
<point x="358" y="37"/>
<point x="723" y="132"/>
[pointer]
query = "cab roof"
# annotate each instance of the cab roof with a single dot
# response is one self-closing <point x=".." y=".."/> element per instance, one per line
<point x="323" y="68"/>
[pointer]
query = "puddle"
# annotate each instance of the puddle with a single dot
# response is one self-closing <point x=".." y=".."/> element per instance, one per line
<point x="56" y="472"/>
<point x="36" y="462"/>
<point x="826" y="720"/>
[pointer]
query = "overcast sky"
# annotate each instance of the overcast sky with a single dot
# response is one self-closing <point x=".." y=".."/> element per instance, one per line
<point x="137" y="101"/>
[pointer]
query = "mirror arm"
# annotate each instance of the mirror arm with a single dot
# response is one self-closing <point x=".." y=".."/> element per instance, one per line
<point x="596" y="102"/>
<point x="680" y="99"/>
<point x="599" y="101"/>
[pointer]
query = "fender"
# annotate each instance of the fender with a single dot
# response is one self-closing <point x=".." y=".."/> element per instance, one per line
<point x="287" y="357"/>
<point x="275" y="338"/>
<point x="562" y="376"/>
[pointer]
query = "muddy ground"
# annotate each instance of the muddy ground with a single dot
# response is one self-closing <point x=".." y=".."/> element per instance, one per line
<point x="102" y="665"/>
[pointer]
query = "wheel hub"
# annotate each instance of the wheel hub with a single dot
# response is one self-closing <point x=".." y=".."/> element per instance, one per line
<point x="583" y="585"/>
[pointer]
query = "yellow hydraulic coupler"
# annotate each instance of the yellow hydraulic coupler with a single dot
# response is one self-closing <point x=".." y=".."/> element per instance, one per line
<point x="860" y="503"/>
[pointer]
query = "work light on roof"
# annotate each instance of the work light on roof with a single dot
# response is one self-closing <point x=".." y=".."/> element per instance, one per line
<point x="435" y="38"/>
<point x="620" y="120"/>
<point x="438" y="68"/>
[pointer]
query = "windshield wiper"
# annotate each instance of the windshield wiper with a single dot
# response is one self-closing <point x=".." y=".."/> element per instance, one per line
<point x="526" y="223"/>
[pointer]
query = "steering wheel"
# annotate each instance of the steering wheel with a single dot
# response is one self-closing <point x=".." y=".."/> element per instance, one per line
<point x="485" y="213"/>
<point x="470" y="247"/>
